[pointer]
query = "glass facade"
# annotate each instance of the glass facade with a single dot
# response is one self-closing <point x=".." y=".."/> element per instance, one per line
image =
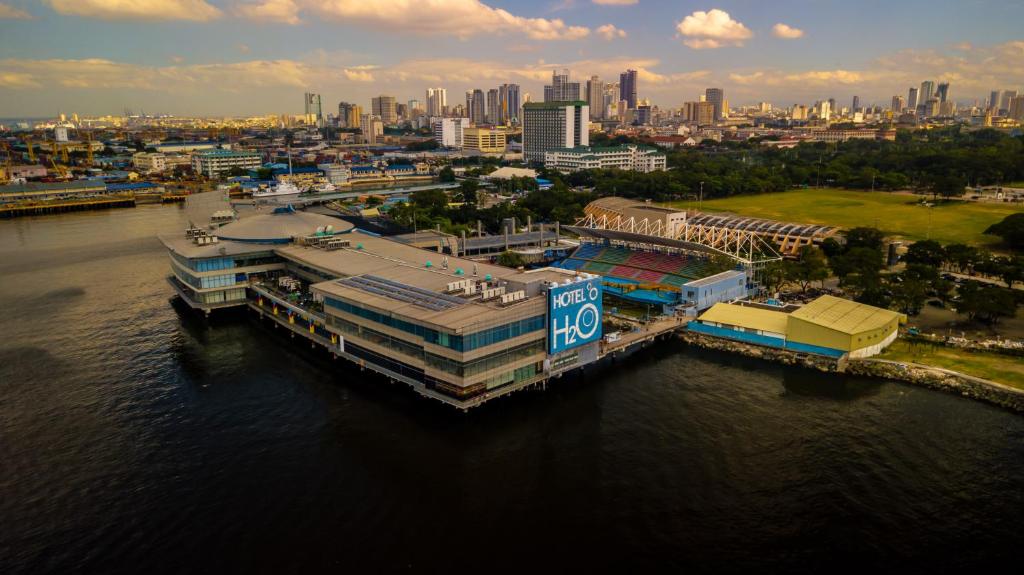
<point x="208" y="282"/>
<point x="227" y="263"/>
<point x="451" y="341"/>
<point x="486" y="363"/>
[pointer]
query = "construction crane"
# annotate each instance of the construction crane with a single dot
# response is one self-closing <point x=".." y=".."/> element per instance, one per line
<point x="62" y="171"/>
<point x="31" y="150"/>
<point x="5" y="170"/>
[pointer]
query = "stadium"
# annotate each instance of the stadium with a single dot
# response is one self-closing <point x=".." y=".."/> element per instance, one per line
<point x="653" y="255"/>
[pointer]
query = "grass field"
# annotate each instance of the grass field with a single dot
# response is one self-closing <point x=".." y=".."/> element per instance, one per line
<point x="995" y="367"/>
<point x="896" y="214"/>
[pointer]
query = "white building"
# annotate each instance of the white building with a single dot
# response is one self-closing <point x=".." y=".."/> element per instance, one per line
<point x="449" y="131"/>
<point x="149" y="163"/>
<point x="629" y="157"/>
<point x="335" y="173"/>
<point x="213" y="163"/>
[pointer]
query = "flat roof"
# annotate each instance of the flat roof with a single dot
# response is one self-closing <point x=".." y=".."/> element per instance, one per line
<point x="715" y="278"/>
<point x="845" y="315"/>
<point x="747" y="317"/>
<point x="186" y="247"/>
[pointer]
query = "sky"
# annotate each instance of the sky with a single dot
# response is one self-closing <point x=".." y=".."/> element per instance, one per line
<point x="249" y="57"/>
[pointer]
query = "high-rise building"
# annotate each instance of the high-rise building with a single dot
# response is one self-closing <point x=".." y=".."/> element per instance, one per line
<point x="856" y="104"/>
<point x="478" y="107"/>
<point x="384" y="108"/>
<point x="943" y="92"/>
<point x="561" y="88"/>
<point x="449" y="131"/>
<point x="993" y="100"/>
<point x="436" y="102"/>
<point x="627" y="88"/>
<point x="643" y="115"/>
<point x="554" y="125"/>
<point x="1007" y="96"/>
<point x="1016" y="108"/>
<point x="492" y="106"/>
<point x="509" y="103"/>
<point x="313" y="109"/>
<point x="595" y="97"/>
<point x="373" y="129"/>
<point x="897" y="104"/>
<point x="349" y="115"/>
<point x="700" y="113"/>
<point x="927" y="91"/>
<point x="912" y="99"/>
<point x="469" y="104"/>
<point x="717" y="98"/>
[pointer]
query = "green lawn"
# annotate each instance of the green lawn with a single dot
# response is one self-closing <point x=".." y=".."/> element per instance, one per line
<point x="995" y="367"/>
<point x="896" y="214"/>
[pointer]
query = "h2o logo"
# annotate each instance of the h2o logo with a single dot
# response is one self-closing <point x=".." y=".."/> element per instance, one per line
<point x="575" y="316"/>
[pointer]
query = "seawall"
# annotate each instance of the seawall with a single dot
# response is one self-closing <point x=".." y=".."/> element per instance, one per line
<point x="912" y="373"/>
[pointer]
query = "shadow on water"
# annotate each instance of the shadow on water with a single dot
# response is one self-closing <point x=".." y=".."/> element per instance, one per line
<point x="15" y="362"/>
<point x="832" y="386"/>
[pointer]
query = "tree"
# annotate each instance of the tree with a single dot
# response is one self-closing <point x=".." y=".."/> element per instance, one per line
<point x="446" y="175"/>
<point x="809" y="267"/>
<point x="947" y="186"/>
<point x="510" y="259"/>
<point x="467" y="191"/>
<point x="927" y="252"/>
<point x="1011" y="230"/>
<point x="773" y="276"/>
<point x="865" y="237"/>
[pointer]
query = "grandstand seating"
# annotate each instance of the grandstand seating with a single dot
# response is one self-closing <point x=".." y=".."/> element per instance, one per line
<point x="637" y="266"/>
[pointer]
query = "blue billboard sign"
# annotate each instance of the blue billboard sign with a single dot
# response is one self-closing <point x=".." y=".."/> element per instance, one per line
<point x="574" y="314"/>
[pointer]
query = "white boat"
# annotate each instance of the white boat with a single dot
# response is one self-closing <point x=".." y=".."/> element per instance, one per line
<point x="324" y="188"/>
<point x="281" y="189"/>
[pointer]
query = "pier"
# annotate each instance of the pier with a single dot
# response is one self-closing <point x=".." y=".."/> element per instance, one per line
<point x="17" y="209"/>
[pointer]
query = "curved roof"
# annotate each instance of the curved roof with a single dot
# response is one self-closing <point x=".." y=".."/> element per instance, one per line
<point x="278" y="227"/>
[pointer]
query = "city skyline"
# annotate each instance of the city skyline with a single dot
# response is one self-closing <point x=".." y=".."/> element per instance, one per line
<point x="214" y="57"/>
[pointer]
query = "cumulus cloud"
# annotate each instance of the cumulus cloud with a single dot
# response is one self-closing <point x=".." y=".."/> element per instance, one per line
<point x="273" y="11"/>
<point x="195" y="10"/>
<point x="788" y="32"/>
<point x="615" y="2"/>
<point x="610" y="32"/>
<point x="8" y="12"/>
<point x="712" y="29"/>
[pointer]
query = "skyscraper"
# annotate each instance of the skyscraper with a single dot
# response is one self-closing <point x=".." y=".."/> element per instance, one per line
<point x="469" y="104"/>
<point x="595" y="97"/>
<point x="627" y="88"/>
<point x="912" y="97"/>
<point x="561" y="88"/>
<point x="856" y="104"/>
<point x="437" y="101"/>
<point x="554" y="125"/>
<point x="492" y="106"/>
<point x="993" y="100"/>
<point x="349" y="115"/>
<point x="313" y="110"/>
<point x="478" y="107"/>
<point x="384" y="108"/>
<point x="943" y="92"/>
<point x="1004" y="101"/>
<point x="927" y="91"/>
<point x="716" y="96"/>
<point x="509" y="103"/>
<point x="897" y="104"/>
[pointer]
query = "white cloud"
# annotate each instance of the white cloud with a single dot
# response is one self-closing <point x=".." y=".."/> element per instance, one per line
<point x="196" y="10"/>
<point x="615" y="2"/>
<point x="788" y="32"/>
<point x="460" y="18"/>
<point x="712" y="29"/>
<point x="272" y="11"/>
<point x="8" y="12"/>
<point x="610" y="32"/>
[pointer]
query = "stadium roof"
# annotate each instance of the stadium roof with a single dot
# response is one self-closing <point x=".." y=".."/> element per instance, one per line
<point x="759" y="225"/>
<point x="844" y="315"/>
<point x="747" y="317"/>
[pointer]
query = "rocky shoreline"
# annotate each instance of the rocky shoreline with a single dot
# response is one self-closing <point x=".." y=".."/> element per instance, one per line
<point x="915" y="374"/>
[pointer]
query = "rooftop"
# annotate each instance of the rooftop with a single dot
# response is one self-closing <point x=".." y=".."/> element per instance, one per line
<point x="747" y="317"/>
<point x="844" y="315"/>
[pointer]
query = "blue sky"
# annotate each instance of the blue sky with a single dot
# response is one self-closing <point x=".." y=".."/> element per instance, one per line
<point x="235" y="57"/>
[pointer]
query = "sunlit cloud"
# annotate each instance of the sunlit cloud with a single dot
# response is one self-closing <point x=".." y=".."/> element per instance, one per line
<point x="272" y="11"/>
<point x="785" y="31"/>
<point x="712" y="29"/>
<point x="8" y="12"/>
<point x="195" y="10"/>
<point x="610" y="32"/>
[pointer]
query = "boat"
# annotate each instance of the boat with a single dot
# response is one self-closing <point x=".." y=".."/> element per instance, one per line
<point x="324" y="188"/>
<point x="281" y="189"/>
